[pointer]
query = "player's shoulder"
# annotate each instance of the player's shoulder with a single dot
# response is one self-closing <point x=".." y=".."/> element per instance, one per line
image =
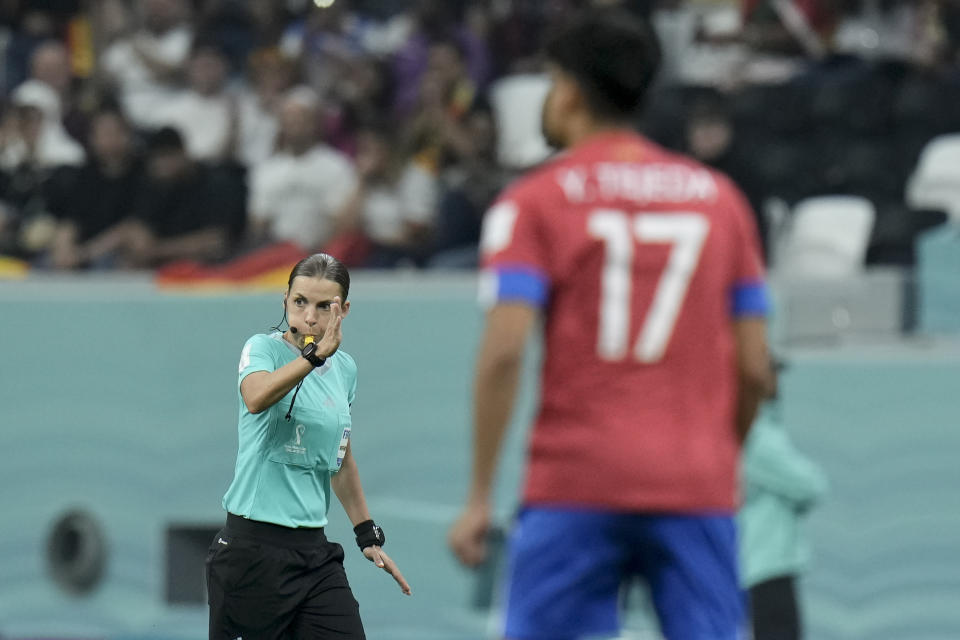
<point x="345" y="361"/>
<point x="261" y="348"/>
<point x="264" y="342"/>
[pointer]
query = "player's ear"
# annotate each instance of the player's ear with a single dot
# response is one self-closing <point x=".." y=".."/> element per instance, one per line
<point x="345" y="308"/>
<point x="568" y="95"/>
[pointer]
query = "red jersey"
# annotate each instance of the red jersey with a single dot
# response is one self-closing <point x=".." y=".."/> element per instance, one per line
<point x="640" y="259"/>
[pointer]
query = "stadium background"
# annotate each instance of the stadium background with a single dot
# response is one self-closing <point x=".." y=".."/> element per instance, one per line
<point x="117" y="439"/>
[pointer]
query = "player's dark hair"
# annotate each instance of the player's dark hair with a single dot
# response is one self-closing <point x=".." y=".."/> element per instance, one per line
<point x="322" y="265"/>
<point x="613" y="55"/>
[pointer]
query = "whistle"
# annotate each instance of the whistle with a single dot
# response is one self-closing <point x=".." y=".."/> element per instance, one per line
<point x="308" y="340"/>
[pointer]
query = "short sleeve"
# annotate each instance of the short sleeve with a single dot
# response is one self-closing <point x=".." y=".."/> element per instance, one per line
<point x="353" y="389"/>
<point x="350" y="376"/>
<point x="749" y="294"/>
<point x="514" y="255"/>
<point x="257" y="355"/>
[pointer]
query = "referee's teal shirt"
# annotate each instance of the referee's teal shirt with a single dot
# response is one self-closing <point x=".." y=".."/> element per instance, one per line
<point x="284" y="466"/>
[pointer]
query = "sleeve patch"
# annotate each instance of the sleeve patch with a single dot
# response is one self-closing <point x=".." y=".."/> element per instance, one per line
<point x="498" y="227"/>
<point x="750" y="299"/>
<point x="513" y="284"/>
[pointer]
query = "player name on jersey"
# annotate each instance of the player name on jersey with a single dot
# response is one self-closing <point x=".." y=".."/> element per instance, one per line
<point x="635" y="182"/>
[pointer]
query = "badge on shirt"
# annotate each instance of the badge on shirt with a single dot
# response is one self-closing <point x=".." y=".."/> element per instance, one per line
<point x="342" y="451"/>
<point x="295" y="445"/>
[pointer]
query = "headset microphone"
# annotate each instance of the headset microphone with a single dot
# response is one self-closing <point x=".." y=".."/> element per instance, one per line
<point x="293" y="329"/>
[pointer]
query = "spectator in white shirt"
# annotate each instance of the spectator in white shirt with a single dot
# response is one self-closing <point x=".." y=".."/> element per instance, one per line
<point x="297" y="193"/>
<point x="144" y="65"/>
<point x="205" y="113"/>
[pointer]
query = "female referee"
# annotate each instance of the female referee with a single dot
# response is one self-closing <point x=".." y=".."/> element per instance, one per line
<point x="271" y="572"/>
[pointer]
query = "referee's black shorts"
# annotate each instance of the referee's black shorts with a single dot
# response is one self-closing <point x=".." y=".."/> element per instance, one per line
<point x="267" y="582"/>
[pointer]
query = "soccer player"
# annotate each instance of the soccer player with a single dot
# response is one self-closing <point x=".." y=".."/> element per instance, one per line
<point x="645" y="269"/>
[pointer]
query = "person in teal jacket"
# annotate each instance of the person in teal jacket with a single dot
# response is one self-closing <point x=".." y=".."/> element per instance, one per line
<point x="780" y="485"/>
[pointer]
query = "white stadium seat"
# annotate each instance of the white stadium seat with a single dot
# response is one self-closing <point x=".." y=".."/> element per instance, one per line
<point x="827" y="238"/>
<point x="935" y="183"/>
<point x="517" y="102"/>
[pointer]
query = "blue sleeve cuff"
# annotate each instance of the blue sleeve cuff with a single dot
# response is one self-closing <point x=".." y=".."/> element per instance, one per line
<point x="514" y="284"/>
<point x="750" y="299"/>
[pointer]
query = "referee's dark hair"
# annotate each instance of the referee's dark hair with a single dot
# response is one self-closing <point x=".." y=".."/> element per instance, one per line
<point x="613" y="55"/>
<point x="325" y="266"/>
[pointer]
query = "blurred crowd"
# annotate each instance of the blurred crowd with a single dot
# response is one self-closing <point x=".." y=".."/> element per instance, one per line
<point x="139" y="133"/>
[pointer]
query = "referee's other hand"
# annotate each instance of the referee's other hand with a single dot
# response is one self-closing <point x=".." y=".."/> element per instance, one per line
<point x="468" y="535"/>
<point x="377" y="556"/>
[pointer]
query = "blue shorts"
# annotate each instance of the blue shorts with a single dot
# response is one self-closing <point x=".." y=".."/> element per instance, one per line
<point x="566" y="568"/>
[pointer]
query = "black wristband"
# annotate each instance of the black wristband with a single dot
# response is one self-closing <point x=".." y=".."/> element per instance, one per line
<point x="309" y="352"/>
<point x="369" y="534"/>
<point x="315" y="360"/>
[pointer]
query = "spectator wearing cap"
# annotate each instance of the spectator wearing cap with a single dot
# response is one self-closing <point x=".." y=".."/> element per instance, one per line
<point x="36" y="154"/>
<point x="186" y="210"/>
<point x="35" y="134"/>
<point x="297" y="193"/>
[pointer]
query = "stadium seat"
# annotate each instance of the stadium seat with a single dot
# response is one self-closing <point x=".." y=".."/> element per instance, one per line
<point x="517" y="102"/>
<point x="935" y="183"/>
<point x="827" y="238"/>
